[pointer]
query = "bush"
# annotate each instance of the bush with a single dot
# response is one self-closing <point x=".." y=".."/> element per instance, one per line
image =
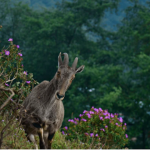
<point x="13" y="76"/>
<point x="99" y="128"/>
<point x="15" y="85"/>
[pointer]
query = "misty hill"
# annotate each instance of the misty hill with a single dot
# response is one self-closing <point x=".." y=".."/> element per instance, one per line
<point x="110" y="20"/>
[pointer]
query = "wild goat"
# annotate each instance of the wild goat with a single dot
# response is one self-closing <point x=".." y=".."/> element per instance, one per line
<point x="43" y="111"/>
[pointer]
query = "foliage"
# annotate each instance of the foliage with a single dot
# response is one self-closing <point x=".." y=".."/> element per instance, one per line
<point x="72" y="28"/>
<point x="15" y="85"/>
<point x="17" y="139"/>
<point x="13" y="75"/>
<point x="116" y="74"/>
<point x="99" y="127"/>
<point x="133" y="48"/>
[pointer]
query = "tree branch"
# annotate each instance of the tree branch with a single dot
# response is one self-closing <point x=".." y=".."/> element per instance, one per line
<point x="8" y="99"/>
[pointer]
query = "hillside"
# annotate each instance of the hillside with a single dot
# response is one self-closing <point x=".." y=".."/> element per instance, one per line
<point x="110" y="20"/>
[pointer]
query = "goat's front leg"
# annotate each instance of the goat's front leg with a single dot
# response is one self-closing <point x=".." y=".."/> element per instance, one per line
<point x="42" y="143"/>
<point x="50" y="140"/>
<point x="31" y="138"/>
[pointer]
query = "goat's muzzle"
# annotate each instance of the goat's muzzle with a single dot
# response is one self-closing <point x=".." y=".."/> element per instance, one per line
<point x="59" y="97"/>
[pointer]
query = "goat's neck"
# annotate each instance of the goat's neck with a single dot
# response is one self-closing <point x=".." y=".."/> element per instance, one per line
<point x="50" y="91"/>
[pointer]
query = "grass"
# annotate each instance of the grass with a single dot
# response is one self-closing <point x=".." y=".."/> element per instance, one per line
<point x="17" y="138"/>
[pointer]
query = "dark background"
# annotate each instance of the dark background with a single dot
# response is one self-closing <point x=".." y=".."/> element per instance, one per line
<point x="110" y="37"/>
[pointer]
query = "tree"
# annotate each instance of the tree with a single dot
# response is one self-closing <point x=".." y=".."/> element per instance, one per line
<point x="11" y="20"/>
<point x="133" y="46"/>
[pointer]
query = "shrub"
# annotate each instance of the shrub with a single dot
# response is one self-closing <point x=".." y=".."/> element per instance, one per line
<point x="13" y="76"/>
<point x="99" y="128"/>
<point x="15" y="85"/>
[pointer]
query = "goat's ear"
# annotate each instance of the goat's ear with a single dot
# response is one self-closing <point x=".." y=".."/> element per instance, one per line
<point x="80" y="69"/>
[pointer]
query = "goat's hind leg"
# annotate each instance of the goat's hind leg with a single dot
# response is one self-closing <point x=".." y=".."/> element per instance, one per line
<point x="31" y="138"/>
<point x="42" y="142"/>
<point x="45" y="135"/>
<point x="50" y="140"/>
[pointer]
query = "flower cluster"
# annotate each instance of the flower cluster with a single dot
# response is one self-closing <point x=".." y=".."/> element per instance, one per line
<point x="98" y="124"/>
<point x="8" y="52"/>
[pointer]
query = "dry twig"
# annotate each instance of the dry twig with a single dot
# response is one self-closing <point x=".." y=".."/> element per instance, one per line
<point x="8" y="99"/>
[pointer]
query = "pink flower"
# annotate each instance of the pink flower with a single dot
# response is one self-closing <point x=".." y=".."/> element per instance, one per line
<point x="116" y="123"/>
<point x="100" y="109"/>
<point x="75" y="122"/>
<point x="10" y="40"/>
<point x="126" y="135"/>
<point x="96" y="135"/>
<point x="91" y="112"/>
<point x="125" y="124"/>
<point x="101" y="118"/>
<point x="19" y="54"/>
<point x="22" y="65"/>
<point x="7" y="52"/>
<point x="95" y="109"/>
<point x="107" y="117"/>
<point x="89" y="116"/>
<point x="84" y="111"/>
<point x="25" y="72"/>
<point x="80" y="115"/>
<point x="91" y="134"/>
<point x="102" y="129"/>
<point x="18" y="46"/>
<point x="83" y="120"/>
<point x="66" y="127"/>
<point x="105" y="113"/>
<point x="6" y="84"/>
<point x="106" y="126"/>
<point x="63" y="132"/>
<point x="76" y="119"/>
<point x="28" y="82"/>
<point x="71" y="120"/>
<point x="112" y="116"/>
<point x="120" y="119"/>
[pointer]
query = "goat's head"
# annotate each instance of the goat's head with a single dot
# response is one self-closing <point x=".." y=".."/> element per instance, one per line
<point x="65" y="75"/>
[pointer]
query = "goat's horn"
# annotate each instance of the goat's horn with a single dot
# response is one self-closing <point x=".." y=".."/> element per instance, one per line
<point x="75" y="63"/>
<point x="66" y="59"/>
<point x="59" y="59"/>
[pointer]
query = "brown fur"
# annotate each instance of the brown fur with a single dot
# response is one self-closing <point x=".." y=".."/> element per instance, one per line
<point x="43" y="111"/>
